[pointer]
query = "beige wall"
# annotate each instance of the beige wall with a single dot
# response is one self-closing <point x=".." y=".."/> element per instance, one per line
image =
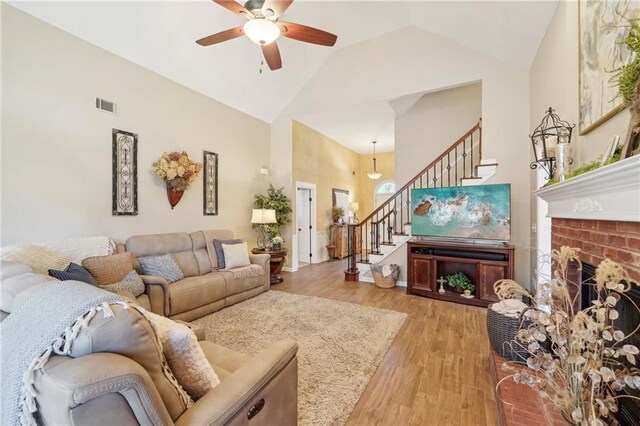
<point x="385" y="165"/>
<point x="436" y="121"/>
<point x="424" y="62"/>
<point x="554" y="83"/>
<point x="324" y="162"/>
<point x="56" y="147"/>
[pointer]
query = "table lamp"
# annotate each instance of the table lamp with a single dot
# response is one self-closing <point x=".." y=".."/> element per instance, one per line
<point x="263" y="217"/>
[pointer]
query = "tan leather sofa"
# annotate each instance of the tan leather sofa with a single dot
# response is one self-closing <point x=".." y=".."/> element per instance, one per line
<point x="114" y="376"/>
<point x="205" y="289"/>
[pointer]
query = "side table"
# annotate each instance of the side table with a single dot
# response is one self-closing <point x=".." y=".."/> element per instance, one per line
<point x="276" y="264"/>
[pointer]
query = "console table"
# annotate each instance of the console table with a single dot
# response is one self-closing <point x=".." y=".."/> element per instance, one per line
<point x="276" y="263"/>
<point x="483" y="264"/>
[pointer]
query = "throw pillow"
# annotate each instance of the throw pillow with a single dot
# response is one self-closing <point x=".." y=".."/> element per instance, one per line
<point x="236" y="255"/>
<point x="184" y="356"/>
<point x="131" y="283"/>
<point x="164" y="266"/>
<point x="73" y="272"/>
<point x="217" y="245"/>
<point x="109" y="269"/>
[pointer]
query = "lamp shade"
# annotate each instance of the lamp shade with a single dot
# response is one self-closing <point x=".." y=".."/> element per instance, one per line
<point x="354" y="206"/>
<point x="261" y="31"/>
<point x="263" y="216"/>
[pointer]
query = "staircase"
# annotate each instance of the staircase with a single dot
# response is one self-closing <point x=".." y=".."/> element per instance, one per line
<point x="388" y="227"/>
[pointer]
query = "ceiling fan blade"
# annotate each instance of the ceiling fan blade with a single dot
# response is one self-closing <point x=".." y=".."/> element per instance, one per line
<point x="307" y="34"/>
<point x="272" y="56"/>
<point x="235" y="7"/>
<point x="276" y="6"/>
<point x="220" y="37"/>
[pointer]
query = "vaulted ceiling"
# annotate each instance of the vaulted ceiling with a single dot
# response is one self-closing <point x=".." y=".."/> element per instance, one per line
<point x="160" y="36"/>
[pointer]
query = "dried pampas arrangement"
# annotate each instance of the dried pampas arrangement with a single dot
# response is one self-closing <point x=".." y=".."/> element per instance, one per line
<point x="590" y="359"/>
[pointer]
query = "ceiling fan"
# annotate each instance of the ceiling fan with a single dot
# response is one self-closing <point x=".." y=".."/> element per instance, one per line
<point x="263" y="28"/>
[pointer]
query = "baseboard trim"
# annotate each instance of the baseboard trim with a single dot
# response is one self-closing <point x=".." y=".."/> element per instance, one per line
<point x="287" y="269"/>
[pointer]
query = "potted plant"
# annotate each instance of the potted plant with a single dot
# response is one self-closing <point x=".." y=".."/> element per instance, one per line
<point x="331" y="246"/>
<point x="336" y="214"/>
<point x="276" y="242"/>
<point x="460" y="283"/>
<point x="627" y="78"/>
<point x="277" y="200"/>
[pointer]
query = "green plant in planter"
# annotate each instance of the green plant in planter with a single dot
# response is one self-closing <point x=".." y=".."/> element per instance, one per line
<point x="277" y="200"/>
<point x="461" y="281"/>
<point x="627" y="76"/>
<point x="336" y="214"/>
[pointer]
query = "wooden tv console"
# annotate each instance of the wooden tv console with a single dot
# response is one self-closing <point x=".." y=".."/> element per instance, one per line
<point x="483" y="264"/>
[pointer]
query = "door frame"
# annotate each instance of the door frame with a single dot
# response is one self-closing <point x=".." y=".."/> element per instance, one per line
<point x="314" y="221"/>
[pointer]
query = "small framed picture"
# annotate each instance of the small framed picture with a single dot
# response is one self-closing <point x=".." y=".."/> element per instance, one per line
<point x="632" y="144"/>
<point x="611" y="149"/>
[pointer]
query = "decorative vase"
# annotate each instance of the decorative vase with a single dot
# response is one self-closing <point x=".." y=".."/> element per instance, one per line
<point x="173" y="195"/>
<point x="276" y="246"/>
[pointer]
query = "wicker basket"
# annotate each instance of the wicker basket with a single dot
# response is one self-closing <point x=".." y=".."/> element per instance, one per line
<point x="502" y="332"/>
<point x="385" y="282"/>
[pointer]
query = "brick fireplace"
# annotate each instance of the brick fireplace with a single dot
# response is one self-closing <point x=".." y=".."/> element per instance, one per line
<point x="599" y="213"/>
<point x="599" y="239"/>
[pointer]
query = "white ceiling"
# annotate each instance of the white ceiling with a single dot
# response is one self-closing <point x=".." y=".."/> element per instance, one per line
<point x="160" y="36"/>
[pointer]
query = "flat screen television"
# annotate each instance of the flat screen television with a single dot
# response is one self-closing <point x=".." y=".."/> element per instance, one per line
<point x="480" y="212"/>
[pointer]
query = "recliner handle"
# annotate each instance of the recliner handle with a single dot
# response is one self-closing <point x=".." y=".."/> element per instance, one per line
<point x="253" y="411"/>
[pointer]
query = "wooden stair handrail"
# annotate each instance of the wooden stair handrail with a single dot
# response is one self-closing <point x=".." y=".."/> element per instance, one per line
<point x="477" y="126"/>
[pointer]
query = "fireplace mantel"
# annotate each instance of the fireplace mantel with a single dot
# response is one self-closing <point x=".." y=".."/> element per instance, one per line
<point x="608" y="193"/>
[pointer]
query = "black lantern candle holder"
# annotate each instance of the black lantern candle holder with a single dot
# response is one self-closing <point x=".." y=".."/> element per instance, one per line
<point x="551" y="134"/>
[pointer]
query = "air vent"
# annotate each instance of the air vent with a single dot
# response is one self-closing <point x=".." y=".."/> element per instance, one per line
<point x="107" y="106"/>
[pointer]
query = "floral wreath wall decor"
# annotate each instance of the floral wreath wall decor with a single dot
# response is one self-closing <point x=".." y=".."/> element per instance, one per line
<point x="178" y="172"/>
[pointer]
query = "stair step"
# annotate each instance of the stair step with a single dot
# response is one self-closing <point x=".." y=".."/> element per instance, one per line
<point x="486" y="165"/>
<point x="387" y="244"/>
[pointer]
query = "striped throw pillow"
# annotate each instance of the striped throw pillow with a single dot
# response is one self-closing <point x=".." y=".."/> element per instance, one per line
<point x="164" y="266"/>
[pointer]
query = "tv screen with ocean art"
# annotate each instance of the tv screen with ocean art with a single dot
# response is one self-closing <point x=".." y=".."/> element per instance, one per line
<point x="476" y="212"/>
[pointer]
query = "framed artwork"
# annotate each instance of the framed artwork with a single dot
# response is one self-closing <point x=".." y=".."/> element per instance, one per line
<point x="124" y="162"/>
<point x="210" y="186"/>
<point x="600" y="26"/>
<point x="341" y="200"/>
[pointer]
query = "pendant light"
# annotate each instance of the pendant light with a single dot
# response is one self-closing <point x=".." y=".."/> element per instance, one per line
<point x="374" y="174"/>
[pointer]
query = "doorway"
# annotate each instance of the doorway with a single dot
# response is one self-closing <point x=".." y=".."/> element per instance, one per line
<point x="306" y="224"/>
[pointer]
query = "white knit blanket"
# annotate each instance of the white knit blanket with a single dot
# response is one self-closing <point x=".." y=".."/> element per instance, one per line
<point x="57" y="254"/>
<point x="247" y="271"/>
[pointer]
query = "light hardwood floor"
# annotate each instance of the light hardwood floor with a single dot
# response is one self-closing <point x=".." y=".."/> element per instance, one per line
<point x="436" y="372"/>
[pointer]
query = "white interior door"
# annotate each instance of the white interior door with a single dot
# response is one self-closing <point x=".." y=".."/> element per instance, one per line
<point x="303" y="215"/>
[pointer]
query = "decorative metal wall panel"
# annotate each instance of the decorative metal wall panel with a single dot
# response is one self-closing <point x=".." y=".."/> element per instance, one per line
<point x="210" y="176"/>
<point x="125" y="173"/>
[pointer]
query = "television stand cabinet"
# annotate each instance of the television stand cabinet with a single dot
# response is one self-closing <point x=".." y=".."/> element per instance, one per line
<point x="429" y="261"/>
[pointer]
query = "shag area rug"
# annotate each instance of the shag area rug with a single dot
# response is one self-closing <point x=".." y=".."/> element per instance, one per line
<point x="339" y="345"/>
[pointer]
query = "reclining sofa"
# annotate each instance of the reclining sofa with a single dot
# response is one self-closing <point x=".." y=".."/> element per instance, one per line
<point x="205" y="288"/>
<point x="114" y="376"/>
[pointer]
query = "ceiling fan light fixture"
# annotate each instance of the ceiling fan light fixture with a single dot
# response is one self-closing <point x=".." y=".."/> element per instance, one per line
<point x="261" y="31"/>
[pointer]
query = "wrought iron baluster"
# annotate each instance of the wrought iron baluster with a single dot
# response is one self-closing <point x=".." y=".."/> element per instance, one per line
<point x="455" y="157"/>
<point x="448" y="169"/>
<point x="471" y="172"/>
<point x="464" y="159"/>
